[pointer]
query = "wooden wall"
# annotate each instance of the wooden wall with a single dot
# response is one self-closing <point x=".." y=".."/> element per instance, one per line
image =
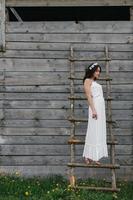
<point x="34" y="92"/>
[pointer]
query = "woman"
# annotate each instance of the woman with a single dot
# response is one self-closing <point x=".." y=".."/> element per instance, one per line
<point x="95" y="142"/>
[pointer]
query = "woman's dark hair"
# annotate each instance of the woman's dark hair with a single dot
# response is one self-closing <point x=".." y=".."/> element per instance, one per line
<point x="89" y="71"/>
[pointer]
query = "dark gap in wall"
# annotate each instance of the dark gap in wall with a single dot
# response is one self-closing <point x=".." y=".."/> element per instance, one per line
<point x="97" y="13"/>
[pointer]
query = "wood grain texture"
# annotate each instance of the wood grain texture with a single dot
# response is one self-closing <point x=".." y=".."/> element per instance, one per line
<point x="70" y="27"/>
<point x="69" y="3"/>
<point x="2" y="25"/>
<point x="34" y="91"/>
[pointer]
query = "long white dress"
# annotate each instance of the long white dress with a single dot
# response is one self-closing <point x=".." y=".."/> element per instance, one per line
<point x="95" y="141"/>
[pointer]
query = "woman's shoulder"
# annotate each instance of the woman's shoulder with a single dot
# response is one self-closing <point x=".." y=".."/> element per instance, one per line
<point x="89" y="80"/>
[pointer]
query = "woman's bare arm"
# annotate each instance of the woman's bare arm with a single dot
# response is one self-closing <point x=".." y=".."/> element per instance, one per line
<point x="87" y="89"/>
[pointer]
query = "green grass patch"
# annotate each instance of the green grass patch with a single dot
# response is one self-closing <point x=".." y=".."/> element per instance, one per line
<point x="56" y="187"/>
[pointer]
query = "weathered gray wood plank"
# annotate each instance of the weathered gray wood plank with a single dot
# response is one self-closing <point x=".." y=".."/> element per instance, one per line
<point x="66" y="47"/>
<point x="36" y="114"/>
<point x="50" y="114"/>
<point x="52" y="140"/>
<point x="65" y="55"/>
<point x="58" y="131"/>
<point x="57" y="78"/>
<point x="53" y="160"/>
<point x="54" y="149"/>
<point x="86" y="38"/>
<point x="127" y="88"/>
<point x="55" y="96"/>
<point x="69" y="3"/>
<point x="55" y="131"/>
<point x="70" y="27"/>
<point x="40" y="104"/>
<point x="52" y="104"/>
<point x="36" y="123"/>
<point x="16" y="64"/>
<point x="2" y="25"/>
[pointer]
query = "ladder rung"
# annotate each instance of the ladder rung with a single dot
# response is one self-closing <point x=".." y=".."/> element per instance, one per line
<point x="77" y="141"/>
<point x="110" y="166"/>
<point x="84" y="98"/>
<point x="98" y="188"/>
<point x="85" y="120"/>
<point x="100" y="79"/>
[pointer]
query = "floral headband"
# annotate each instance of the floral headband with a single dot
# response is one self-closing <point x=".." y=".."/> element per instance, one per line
<point x="93" y="65"/>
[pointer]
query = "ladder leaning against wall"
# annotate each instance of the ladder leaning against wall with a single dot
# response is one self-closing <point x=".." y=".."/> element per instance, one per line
<point x="74" y="120"/>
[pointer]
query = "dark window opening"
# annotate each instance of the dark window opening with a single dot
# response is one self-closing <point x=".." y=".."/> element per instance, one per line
<point x="97" y="13"/>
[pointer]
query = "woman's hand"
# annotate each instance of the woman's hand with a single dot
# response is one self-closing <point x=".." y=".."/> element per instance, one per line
<point x="94" y="114"/>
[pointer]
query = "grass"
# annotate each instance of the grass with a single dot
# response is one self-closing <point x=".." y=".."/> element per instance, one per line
<point x="56" y="187"/>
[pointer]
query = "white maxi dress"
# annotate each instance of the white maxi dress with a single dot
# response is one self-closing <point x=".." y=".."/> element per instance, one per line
<point x="95" y="141"/>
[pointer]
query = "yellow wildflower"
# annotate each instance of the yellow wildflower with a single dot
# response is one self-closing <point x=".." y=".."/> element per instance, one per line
<point x="27" y="193"/>
<point x="17" y="173"/>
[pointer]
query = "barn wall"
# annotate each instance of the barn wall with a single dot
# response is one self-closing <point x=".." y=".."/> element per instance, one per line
<point x="34" y="92"/>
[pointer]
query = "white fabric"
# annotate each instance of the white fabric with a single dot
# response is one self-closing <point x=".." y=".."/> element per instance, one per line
<point x="95" y="142"/>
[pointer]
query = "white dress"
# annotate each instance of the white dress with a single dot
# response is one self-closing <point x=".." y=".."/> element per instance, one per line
<point x="95" y="142"/>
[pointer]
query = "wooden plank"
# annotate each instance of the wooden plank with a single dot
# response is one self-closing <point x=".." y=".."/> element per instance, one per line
<point x="54" y="96"/>
<point x="34" y="64"/>
<point x="55" y="139"/>
<point x="116" y="130"/>
<point x="14" y="3"/>
<point x="34" y="88"/>
<point x="16" y="64"/>
<point x="116" y="105"/>
<point x="123" y="160"/>
<point x="2" y="25"/>
<point x="116" y="114"/>
<point x="36" y="114"/>
<point x="36" y="123"/>
<point x="38" y="131"/>
<point x="65" y="54"/>
<point x="70" y="27"/>
<point x="40" y="104"/>
<point x="57" y="78"/>
<point x="66" y="47"/>
<point x="127" y="88"/>
<point x="34" y="132"/>
<point x="61" y="88"/>
<point x="44" y="78"/>
<point x="37" y="88"/>
<point x="78" y="38"/>
<point x="55" y="131"/>
<point x="118" y="124"/>
<point x="64" y="104"/>
<point x="41" y="149"/>
<point x="29" y="114"/>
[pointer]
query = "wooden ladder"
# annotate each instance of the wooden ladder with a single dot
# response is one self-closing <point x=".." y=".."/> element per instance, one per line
<point x="73" y="140"/>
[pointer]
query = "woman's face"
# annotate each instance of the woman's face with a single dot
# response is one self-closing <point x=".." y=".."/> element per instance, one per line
<point x="97" y="73"/>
